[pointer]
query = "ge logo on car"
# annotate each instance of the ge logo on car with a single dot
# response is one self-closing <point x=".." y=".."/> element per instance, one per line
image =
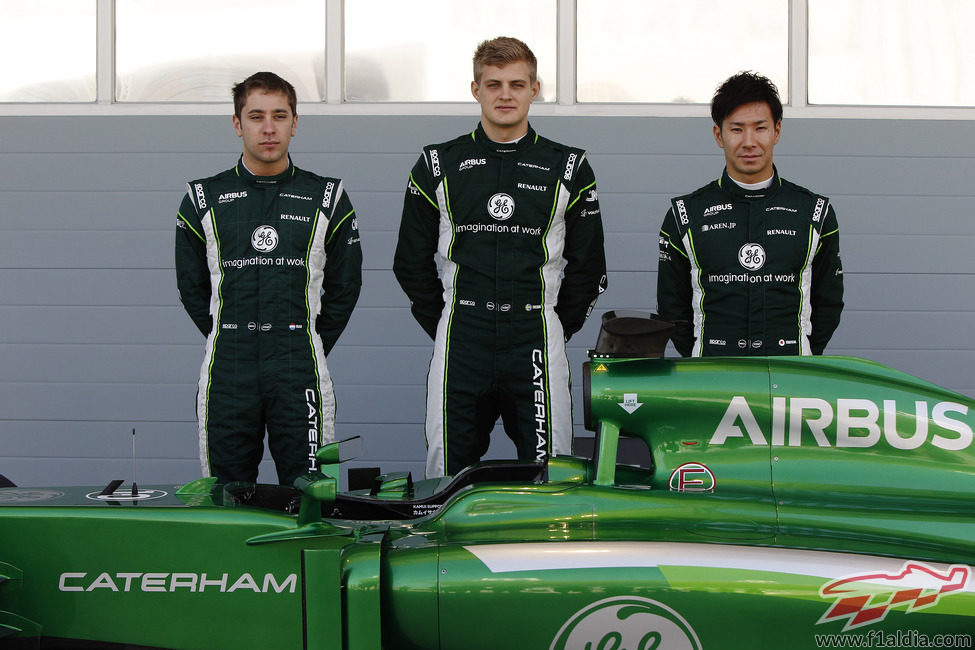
<point x="23" y="496"/>
<point x="752" y="256"/>
<point x="264" y="239"/>
<point x="629" y="622"/>
<point x="501" y="206"/>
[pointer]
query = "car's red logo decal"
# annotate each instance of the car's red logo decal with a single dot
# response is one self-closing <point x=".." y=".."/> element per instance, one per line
<point x="866" y="598"/>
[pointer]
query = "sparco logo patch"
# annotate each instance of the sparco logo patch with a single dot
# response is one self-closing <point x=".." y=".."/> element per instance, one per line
<point x="570" y="166"/>
<point x="434" y="162"/>
<point x="818" y="212"/>
<point x="264" y="239"/>
<point x="200" y="196"/>
<point x="327" y="200"/>
<point x="752" y="256"/>
<point x="682" y="212"/>
<point x="501" y="206"/>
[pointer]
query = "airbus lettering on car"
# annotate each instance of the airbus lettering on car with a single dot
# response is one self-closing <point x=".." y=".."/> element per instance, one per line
<point x="847" y="422"/>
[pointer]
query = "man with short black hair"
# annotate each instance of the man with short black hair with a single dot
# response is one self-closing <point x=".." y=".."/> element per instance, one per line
<point x="268" y="266"/>
<point x="514" y="220"/>
<point x="750" y="263"/>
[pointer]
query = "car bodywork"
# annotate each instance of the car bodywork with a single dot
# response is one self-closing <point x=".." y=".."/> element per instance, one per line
<point x="783" y="503"/>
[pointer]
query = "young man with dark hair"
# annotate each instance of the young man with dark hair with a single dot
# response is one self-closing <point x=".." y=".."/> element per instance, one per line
<point x="264" y="82"/>
<point x="268" y="266"/>
<point x="750" y="263"/>
<point x="514" y="221"/>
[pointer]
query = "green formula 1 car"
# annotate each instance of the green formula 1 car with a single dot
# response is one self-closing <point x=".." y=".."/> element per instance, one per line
<point x="782" y="503"/>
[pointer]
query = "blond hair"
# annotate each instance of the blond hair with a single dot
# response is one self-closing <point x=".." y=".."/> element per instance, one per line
<point x="500" y="52"/>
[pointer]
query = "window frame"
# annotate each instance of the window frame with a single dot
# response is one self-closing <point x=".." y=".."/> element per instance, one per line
<point x="565" y="104"/>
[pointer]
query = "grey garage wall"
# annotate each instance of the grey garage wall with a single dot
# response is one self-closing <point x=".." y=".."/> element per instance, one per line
<point x="94" y="343"/>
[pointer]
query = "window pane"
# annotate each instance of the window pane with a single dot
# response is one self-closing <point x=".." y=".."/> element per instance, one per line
<point x="677" y="51"/>
<point x="395" y="51"/>
<point x="892" y="52"/>
<point x="191" y="51"/>
<point x="47" y="51"/>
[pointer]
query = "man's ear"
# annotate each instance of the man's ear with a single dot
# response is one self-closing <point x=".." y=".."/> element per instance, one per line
<point x="717" y="136"/>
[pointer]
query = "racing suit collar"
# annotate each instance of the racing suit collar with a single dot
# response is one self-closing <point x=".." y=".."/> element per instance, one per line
<point x="728" y="185"/>
<point x="480" y="137"/>
<point x="264" y="181"/>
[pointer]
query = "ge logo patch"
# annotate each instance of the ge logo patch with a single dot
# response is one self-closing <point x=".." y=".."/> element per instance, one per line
<point x="264" y="239"/>
<point x="752" y="256"/>
<point x="627" y="622"/>
<point x="501" y="206"/>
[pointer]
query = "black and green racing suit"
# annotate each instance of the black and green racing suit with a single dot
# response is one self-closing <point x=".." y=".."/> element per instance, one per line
<point x="269" y="269"/>
<point x="517" y="231"/>
<point x="750" y="272"/>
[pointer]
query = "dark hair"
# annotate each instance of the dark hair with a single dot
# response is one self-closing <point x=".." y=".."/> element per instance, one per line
<point x="266" y="82"/>
<point x="500" y="52"/>
<point x="745" y="88"/>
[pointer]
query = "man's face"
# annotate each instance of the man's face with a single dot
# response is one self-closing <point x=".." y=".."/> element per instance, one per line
<point x="505" y="94"/>
<point x="266" y="124"/>
<point x="748" y="136"/>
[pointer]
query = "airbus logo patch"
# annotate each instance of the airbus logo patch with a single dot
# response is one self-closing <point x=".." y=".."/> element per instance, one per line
<point x="714" y="209"/>
<point x="471" y="162"/>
